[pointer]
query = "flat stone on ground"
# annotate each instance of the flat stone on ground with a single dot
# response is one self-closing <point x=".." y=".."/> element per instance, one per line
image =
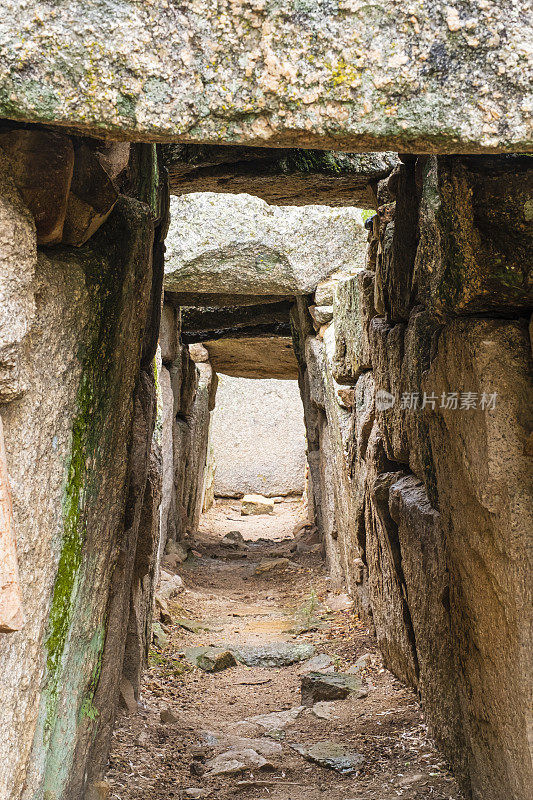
<point x="331" y="755"/>
<point x="235" y="761"/>
<point x="210" y="659"/>
<point x="318" y="663"/>
<point x="272" y="565"/>
<point x="324" y="710"/>
<point x="256" y="504"/>
<point x="318" y="686"/>
<point x="262" y="745"/>
<point x="190" y="624"/>
<point x="275" y="654"/>
<point x="277" y="720"/>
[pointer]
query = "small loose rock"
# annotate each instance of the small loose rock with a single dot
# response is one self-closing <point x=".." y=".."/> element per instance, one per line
<point x="319" y="686"/>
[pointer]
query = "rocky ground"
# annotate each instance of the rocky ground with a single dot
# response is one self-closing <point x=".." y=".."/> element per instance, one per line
<point x="247" y="730"/>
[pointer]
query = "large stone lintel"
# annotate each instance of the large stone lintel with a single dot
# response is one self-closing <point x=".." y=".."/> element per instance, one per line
<point x="348" y="76"/>
<point x="208" y="301"/>
<point x="281" y="177"/>
<point x="282" y="329"/>
<point x="238" y="244"/>
<point x="254" y="357"/>
<point x="199" y="324"/>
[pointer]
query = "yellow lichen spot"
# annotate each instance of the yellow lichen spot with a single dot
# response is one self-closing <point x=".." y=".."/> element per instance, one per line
<point x="343" y="73"/>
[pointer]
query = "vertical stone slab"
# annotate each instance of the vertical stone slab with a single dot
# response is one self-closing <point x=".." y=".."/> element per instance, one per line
<point x="68" y="439"/>
<point x="258" y="438"/>
<point x="484" y="481"/>
<point x="38" y="432"/>
<point x="476" y="242"/>
<point x="422" y="543"/>
<point x="353" y="310"/>
<point x="18" y="258"/>
<point x="11" y="613"/>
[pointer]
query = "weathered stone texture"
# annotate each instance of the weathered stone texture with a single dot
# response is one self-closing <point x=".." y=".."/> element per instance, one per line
<point x="11" y="611"/>
<point x="422" y="547"/>
<point x="167" y="455"/>
<point x="476" y="247"/>
<point x="328" y="440"/>
<point x="38" y="440"/>
<point x="68" y="184"/>
<point x="18" y="259"/>
<point x="241" y="245"/>
<point x="424" y="507"/>
<point x="386" y="582"/>
<point x="353" y="309"/>
<point x="353" y="77"/>
<point x="42" y="165"/>
<point x="188" y="397"/>
<point x="169" y="333"/>
<point x="204" y="324"/>
<point x="485" y="489"/>
<point x="435" y="539"/>
<point x="281" y="177"/>
<point x="52" y="666"/>
<point x="400" y="356"/>
<point x="258" y="438"/>
<point x="254" y="357"/>
<point x="145" y="575"/>
<point x="91" y="198"/>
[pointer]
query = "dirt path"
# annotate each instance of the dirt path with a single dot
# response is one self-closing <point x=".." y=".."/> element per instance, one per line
<point x="192" y="723"/>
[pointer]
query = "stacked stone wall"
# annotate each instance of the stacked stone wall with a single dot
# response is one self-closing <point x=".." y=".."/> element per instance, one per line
<point x="188" y="390"/>
<point x="418" y="402"/>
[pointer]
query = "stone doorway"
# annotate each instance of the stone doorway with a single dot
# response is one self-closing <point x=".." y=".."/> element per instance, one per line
<point x="407" y="329"/>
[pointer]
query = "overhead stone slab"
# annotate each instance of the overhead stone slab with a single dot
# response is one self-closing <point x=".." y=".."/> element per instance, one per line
<point x="201" y="324"/>
<point x="254" y="357"/>
<point x="212" y="301"/>
<point x="348" y="75"/>
<point x="275" y="329"/>
<point x="239" y="244"/>
<point x="281" y="177"/>
<point x="203" y="320"/>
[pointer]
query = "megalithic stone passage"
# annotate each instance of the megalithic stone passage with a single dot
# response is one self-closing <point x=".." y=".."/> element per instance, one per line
<point x="11" y="614"/>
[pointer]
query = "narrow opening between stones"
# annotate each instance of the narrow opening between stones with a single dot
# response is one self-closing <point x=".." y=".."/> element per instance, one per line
<point x="263" y="677"/>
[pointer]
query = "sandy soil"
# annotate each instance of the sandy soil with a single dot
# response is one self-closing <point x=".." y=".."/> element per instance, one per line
<point x="225" y="602"/>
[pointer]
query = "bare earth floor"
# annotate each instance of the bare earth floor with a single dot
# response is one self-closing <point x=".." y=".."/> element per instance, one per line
<point x="226" y="602"/>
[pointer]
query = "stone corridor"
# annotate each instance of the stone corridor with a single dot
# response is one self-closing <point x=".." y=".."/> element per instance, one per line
<point x="220" y="729"/>
<point x="331" y="192"/>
